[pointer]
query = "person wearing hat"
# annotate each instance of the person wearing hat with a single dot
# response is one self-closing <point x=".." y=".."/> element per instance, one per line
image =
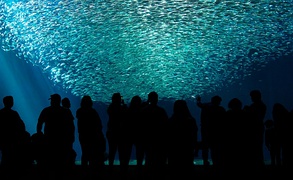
<point x="55" y="123"/>
<point x="116" y="113"/>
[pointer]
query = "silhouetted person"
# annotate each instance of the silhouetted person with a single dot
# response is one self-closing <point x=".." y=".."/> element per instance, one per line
<point x="271" y="141"/>
<point x="212" y="114"/>
<point x="280" y="115"/>
<point x="132" y="128"/>
<point x="288" y="144"/>
<point x="234" y="142"/>
<point x="135" y="109"/>
<point x="256" y="112"/>
<point x="57" y="130"/>
<point x="155" y="118"/>
<point x="182" y="140"/>
<point x="13" y="141"/>
<point x="65" y="102"/>
<point x="117" y="114"/>
<point x="91" y="137"/>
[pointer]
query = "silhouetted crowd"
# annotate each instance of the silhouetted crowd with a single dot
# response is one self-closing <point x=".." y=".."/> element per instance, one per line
<point x="232" y="137"/>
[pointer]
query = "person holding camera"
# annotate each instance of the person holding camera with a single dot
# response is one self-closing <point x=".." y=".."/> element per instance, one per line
<point x="211" y="116"/>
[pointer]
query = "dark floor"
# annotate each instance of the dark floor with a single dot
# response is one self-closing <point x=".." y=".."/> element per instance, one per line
<point x="198" y="172"/>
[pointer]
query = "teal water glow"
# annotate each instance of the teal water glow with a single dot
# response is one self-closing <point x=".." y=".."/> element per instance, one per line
<point x="179" y="48"/>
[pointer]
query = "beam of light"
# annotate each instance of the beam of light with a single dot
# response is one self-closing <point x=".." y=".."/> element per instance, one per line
<point x="178" y="48"/>
<point x="20" y="82"/>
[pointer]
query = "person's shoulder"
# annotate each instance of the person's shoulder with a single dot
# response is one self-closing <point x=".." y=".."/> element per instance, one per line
<point x="5" y="110"/>
<point x="66" y="109"/>
<point x="222" y="108"/>
<point x="145" y="108"/>
<point x="162" y="110"/>
<point x="47" y="108"/>
<point x="15" y="113"/>
<point x="46" y="111"/>
<point x="12" y="111"/>
<point x="92" y="110"/>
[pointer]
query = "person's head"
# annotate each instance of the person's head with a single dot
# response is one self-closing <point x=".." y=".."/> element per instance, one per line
<point x="255" y="95"/>
<point x="180" y="108"/>
<point x="279" y="109"/>
<point x="55" y="99"/>
<point x="116" y="98"/>
<point x="216" y="100"/>
<point x="86" y="101"/>
<point x="235" y="104"/>
<point x="135" y="101"/>
<point x="8" y="101"/>
<point x="153" y="97"/>
<point x="66" y="102"/>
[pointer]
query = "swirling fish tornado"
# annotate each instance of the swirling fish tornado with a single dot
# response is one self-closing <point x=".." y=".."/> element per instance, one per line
<point x="178" y="48"/>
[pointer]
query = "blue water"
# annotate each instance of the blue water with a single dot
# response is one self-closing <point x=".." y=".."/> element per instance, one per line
<point x="179" y="48"/>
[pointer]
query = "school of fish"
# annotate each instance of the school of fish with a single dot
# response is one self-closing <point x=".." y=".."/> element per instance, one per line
<point x="178" y="48"/>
